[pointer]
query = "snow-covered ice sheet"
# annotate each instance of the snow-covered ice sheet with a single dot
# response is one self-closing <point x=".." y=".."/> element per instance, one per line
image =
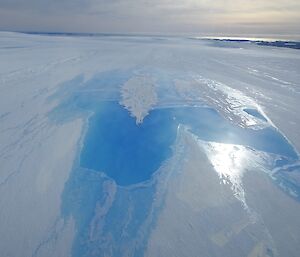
<point x="209" y="196"/>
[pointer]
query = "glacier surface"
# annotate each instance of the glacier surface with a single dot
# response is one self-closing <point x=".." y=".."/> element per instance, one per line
<point x="215" y="124"/>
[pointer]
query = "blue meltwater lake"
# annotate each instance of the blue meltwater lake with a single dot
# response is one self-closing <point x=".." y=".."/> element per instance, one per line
<point x="101" y="193"/>
<point x="127" y="152"/>
<point x="130" y="153"/>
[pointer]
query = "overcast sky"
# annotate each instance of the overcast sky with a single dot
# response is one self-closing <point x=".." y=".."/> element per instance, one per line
<point x="203" y="17"/>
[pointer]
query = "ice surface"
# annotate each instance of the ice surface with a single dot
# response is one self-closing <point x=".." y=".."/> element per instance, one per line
<point x="139" y="97"/>
<point x="217" y="198"/>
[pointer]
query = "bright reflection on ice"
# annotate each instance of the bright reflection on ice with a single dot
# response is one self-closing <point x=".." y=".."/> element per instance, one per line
<point x="229" y="162"/>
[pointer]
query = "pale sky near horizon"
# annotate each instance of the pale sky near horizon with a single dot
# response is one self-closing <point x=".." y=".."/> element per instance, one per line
<point x="203" y="17"/>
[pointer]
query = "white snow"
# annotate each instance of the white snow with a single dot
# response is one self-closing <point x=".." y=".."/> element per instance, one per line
<point x="36" y="155"/>
<point x="139" y="96"/>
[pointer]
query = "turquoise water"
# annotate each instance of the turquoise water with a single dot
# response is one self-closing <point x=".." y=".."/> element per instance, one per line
<point x="130" y="153"/>
<point x="115" y="150"/>
<point x="127" y="152"/>
<point x="255" y="113"/>
<point x="83" y="192"/>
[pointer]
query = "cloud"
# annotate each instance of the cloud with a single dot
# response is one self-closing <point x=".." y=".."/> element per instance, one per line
<point x="45" y="6"/>
<point x="152" y="16"/>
